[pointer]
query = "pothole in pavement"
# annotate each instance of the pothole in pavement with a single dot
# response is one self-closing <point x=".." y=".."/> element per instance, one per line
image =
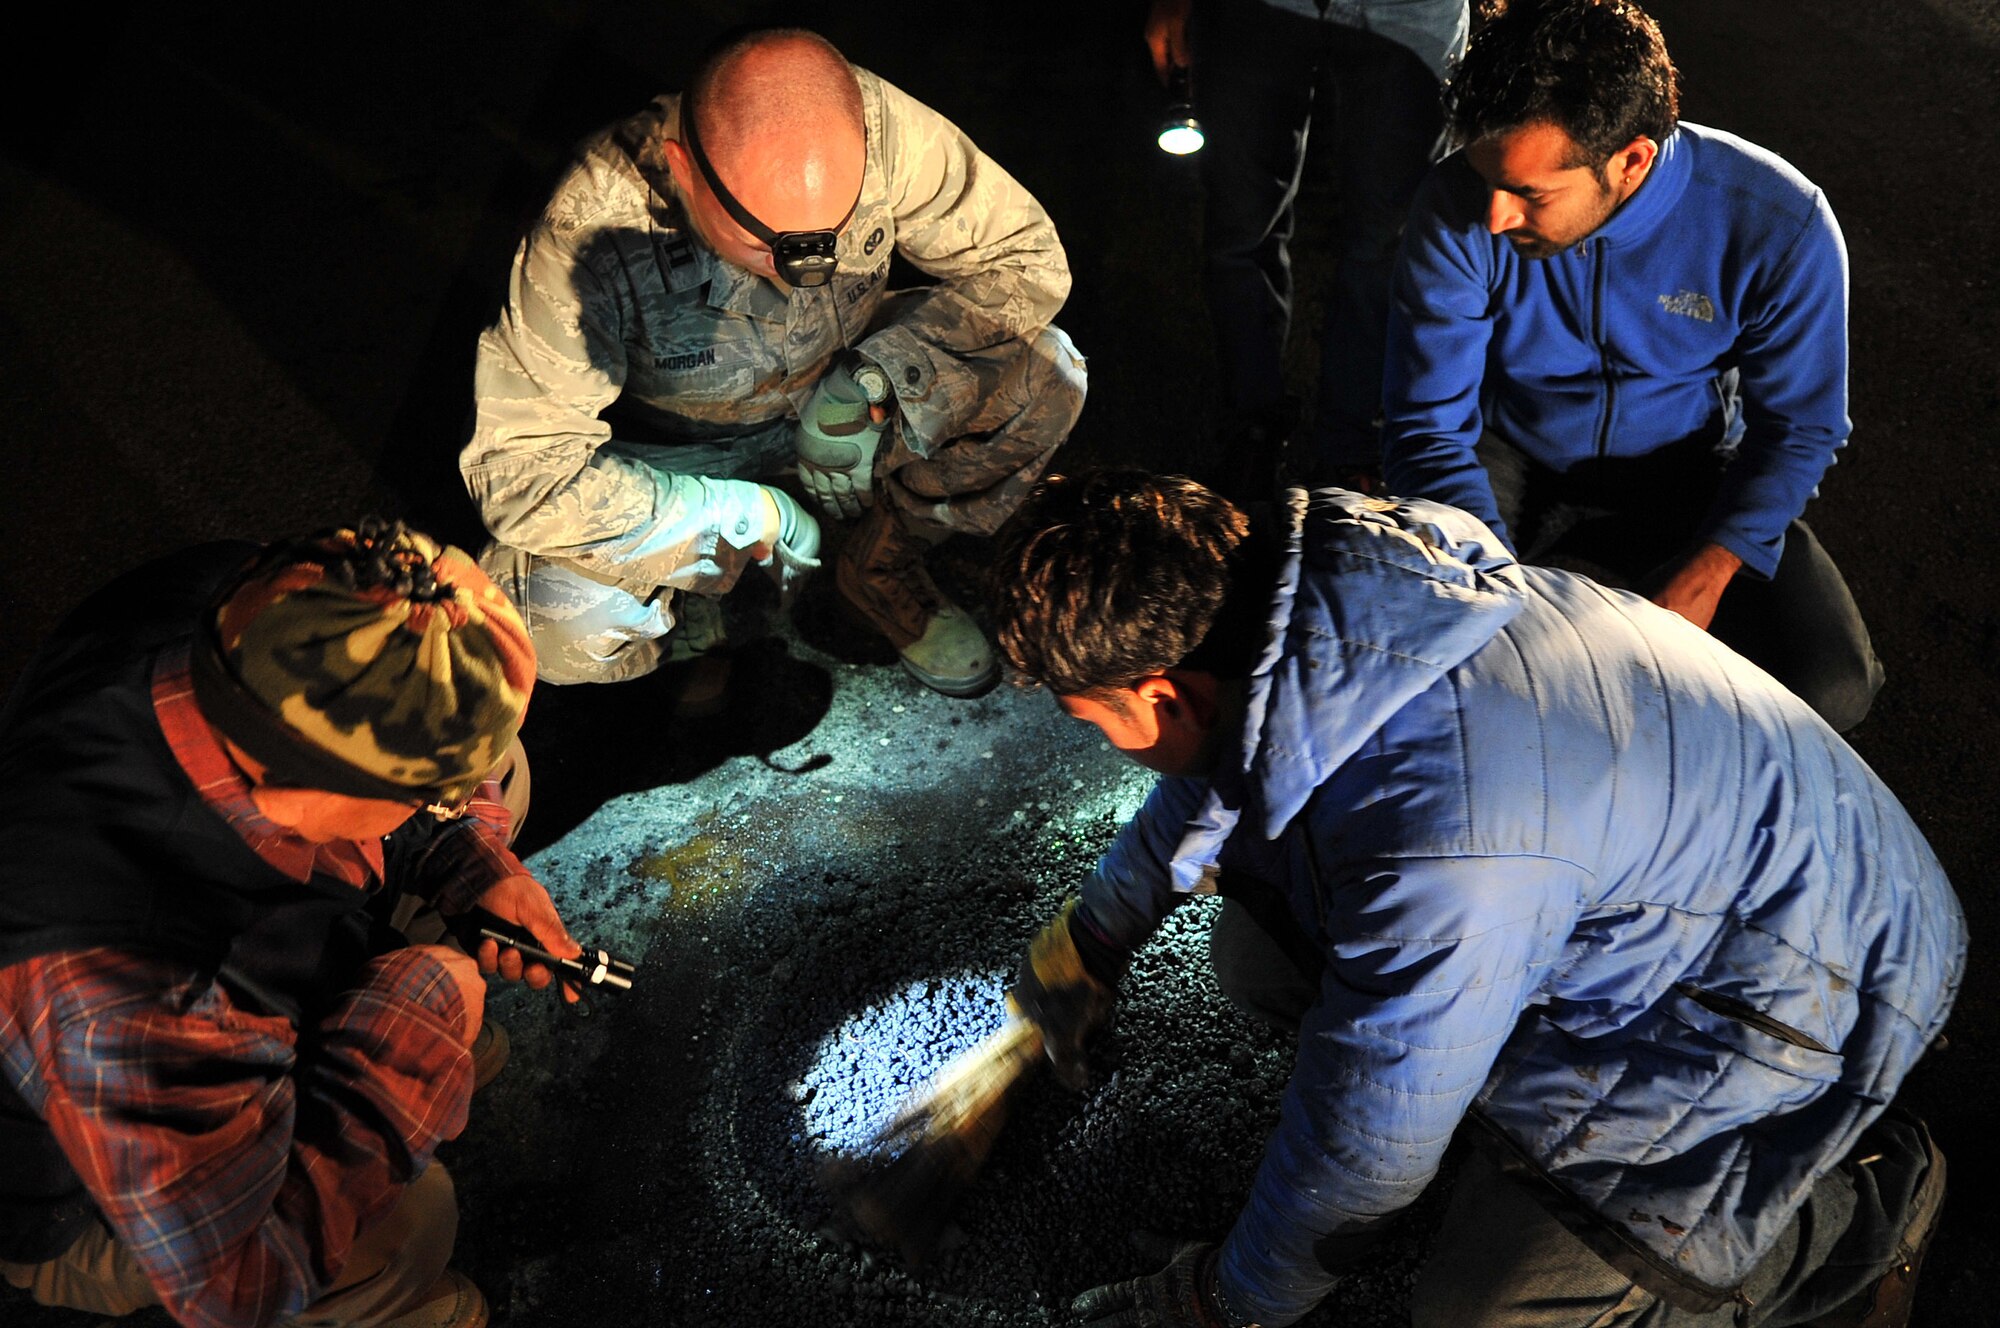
<point x="816" y="948"/>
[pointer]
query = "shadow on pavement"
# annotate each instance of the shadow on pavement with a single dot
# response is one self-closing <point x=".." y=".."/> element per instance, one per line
<point x="590" y="744"/>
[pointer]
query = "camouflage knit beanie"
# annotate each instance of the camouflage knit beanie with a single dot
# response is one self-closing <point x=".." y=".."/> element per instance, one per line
<point x="372" y="662"/>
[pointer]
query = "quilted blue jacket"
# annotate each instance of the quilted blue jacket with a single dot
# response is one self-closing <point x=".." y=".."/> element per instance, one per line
<point x="1574" y="866"/>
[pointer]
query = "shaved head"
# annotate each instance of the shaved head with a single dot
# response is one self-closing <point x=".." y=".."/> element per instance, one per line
<point x="779" y="117"/>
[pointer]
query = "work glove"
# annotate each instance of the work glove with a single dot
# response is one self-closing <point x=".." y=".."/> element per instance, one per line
<point x="795" y="555"/>
<point x="838" y="435"/>
<point x="1057" y="993"/>
<point x="1181" y="1295"/>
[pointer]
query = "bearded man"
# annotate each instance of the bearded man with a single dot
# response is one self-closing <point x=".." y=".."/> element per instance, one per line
<point x="1620" y="340"/>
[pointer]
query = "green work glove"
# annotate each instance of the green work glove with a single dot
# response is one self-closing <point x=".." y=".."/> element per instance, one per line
<point x="1056" y="991"/>
<point x="838" y="436"/>
<point x="1181" y="1295"/>
<point x="795" y="556"/>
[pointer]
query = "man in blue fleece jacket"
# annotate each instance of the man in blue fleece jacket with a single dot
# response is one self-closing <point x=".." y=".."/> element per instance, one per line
<point x="1501" y="845"/>
<point x="1621" y="341"/>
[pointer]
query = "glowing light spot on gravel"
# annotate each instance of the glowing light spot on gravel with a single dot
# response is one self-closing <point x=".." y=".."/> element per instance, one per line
<point x="866" y="1070"/>
<point x="702" y="872"/>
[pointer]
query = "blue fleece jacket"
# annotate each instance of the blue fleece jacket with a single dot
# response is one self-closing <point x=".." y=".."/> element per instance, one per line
<point x="1491" y="791"/>
<point x="1725" y="259"/>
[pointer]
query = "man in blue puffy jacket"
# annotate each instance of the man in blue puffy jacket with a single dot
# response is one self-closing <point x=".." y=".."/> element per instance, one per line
<point x="1507" y="846"/>
<point x="1620" y="340"/>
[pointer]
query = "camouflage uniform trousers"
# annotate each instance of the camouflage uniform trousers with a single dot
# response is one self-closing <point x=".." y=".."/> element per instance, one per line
<point x="590" y="628"/>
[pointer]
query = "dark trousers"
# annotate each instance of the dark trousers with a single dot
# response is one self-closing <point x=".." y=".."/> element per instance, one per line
<point x="1258" y="74"/>
<point x="1503" y="1260"/>
<point x="1618" y="520"/>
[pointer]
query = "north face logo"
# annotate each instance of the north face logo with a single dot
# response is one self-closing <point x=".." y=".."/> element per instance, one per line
<point x="1689" y="305"/>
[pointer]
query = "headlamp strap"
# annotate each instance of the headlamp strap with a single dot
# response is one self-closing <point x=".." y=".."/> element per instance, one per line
<point x="737" y="212"/>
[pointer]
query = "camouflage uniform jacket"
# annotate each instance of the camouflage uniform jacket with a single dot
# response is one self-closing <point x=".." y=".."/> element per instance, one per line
<point x="614" y="299"/>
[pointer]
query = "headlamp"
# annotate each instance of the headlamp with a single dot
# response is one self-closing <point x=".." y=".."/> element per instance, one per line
<point x="1181" y="133"/>
<point x="803" y="258"/>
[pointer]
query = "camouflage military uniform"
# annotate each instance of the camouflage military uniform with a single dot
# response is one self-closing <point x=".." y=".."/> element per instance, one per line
<point x="615" y="305"/>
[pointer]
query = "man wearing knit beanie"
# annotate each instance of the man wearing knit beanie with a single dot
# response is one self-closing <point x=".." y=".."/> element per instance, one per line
<point x="222" y="1071"/>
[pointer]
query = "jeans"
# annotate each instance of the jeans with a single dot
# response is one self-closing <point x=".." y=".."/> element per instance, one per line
<point x="1504" y="1260"/>
<point x="1258" y="71"/>
<point x="1618" y="519"/>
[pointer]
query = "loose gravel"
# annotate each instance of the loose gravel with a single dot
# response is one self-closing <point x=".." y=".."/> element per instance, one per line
<point x="815" y="946"/>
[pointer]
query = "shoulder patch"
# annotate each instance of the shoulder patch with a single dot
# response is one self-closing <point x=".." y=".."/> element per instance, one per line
<point x="569" y="211"/>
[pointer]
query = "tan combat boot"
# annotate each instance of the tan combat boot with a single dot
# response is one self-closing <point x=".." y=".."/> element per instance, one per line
<point x="881" y="574"/>
<point x="489" y="1053"/>
<point x="452" y="1302"/>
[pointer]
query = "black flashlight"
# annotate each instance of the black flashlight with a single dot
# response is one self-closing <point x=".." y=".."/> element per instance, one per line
<point x="592" y="968"/>
<point x="1180" y="132"/>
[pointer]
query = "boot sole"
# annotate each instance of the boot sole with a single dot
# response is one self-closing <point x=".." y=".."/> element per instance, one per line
<point x="704" y="687"/>
<point x="487" y="1068"/>
<point x="963" y="689"/>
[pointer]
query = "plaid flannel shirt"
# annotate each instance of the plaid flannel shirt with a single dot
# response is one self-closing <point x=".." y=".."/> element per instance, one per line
<point x="235" y="1159"/>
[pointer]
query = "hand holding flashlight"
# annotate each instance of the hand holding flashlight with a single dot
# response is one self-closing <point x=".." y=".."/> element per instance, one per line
<point x="518" y="953"/>
<point x="590" y="967"/>
<point x="521" y="901"/>
<point x="1167" y="38"/>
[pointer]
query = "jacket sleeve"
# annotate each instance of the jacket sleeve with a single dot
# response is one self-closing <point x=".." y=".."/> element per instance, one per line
<point x="1001" y="271"/>
<point x="541" y="465"/>
<point x="1432" y="963"/>
<point x="235" y="1159"/>
<point x="1132" y="890"/>
<point x="1440" y="322"/>
<point x="462" y="859"/>
<point x="1792" y="362"/>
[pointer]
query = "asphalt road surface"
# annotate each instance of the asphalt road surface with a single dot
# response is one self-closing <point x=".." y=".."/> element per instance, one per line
<point x="243" y="259"/>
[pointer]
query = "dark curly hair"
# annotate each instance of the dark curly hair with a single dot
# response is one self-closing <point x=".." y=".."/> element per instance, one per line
<point x="1110" y="576"/>
<point x="1596" y="69"/>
